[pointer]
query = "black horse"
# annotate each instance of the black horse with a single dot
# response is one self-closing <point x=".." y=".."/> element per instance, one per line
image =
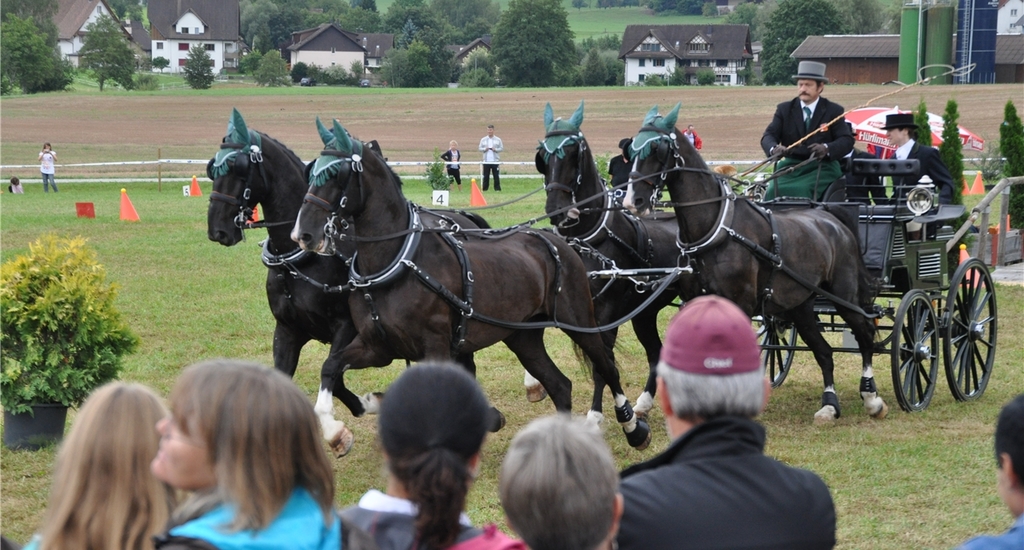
<point x="306" y="291"/>
<point x="607" y="238"/>
<point x="423" y="295"/>
<point x="770" y="262"/>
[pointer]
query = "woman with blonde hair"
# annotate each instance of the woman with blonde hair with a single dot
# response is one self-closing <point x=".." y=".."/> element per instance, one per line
<point x="103" y="496"/>
<point x="246" y="442"/>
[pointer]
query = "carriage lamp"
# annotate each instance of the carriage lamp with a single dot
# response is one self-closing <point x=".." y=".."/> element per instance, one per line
<point x="922" y="197"/>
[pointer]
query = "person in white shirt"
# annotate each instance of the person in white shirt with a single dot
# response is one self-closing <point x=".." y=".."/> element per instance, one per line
<point x="47" y="158"/>
<point x="490" y="146"/>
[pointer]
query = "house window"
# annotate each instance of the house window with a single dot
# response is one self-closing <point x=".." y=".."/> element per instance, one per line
<point x="640" y="78"/>
<point x="1013" y="13"/>
<point x="643" y="62"/>
<point x="723" y="79"/>
<point x="332" y="49"/>
<point x="210" y="47"/>
<point x="159" y="45"/>
<point x="699" y="47"/>
<point x="182" y="46"/>
<point x="229" y="47"/>
<point x="184" y="30"/>
<point x="659" y="62"/>
<point x="197" y="30"/>
<point x="722" y="63"/>
<point x="650" y="47"/>
<point x="181" y="62"/>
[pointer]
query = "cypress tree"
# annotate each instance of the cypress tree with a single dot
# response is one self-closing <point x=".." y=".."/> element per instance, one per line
<point x="1011" y="145"/>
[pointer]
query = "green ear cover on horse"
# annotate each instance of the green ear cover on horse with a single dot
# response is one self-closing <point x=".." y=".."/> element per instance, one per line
<point x="651" y="115"/>
<point x="549" y="115"/>
<point x="672" y="116"/>
<point x="325" y="135"/>
<point x="237" y="131"/>
<point x="577" y="118"/>
<point x="343" y="141"/>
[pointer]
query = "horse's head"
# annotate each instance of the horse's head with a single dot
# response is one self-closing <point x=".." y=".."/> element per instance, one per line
<point x="656" y="153"/>
<point x="236" y="185"/>
<point x="335" y="189"/>
<point x="563" y="156"/>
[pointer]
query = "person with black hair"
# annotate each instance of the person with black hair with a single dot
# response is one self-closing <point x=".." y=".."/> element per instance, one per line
<point x="619" y="165"/>
<point x="431" y="427"/>
<point x="1009" y="450"/>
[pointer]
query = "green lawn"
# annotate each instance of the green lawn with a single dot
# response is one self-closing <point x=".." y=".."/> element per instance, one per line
<point x="920" y="480"/>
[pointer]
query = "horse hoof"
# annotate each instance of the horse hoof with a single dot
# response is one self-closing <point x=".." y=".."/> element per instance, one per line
<point x="595" y="418"/>
<point x="536" y="394"/>
<point x="497" y="420"/>
<point x="825" y="415"/>
<point x="881" y="413"/>
<point x="640" y="437"/>
<point x="342" y="442"/>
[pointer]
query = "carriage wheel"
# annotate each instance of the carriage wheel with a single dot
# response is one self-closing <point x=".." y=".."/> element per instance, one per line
<point x="915" y="351"/>
<point x="969" y="348"/>
<point x="772" y="331"/>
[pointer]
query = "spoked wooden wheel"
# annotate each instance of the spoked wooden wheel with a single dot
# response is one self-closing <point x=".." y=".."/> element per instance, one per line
<point x="777" y="339"/>
<point x="969" y="348"/>
<point x="915" y="351"/>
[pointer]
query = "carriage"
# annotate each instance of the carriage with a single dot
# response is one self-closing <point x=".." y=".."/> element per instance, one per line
<point x="920" y="307"/>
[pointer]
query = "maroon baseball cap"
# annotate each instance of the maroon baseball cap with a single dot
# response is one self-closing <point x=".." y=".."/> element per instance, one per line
<point x="711" y="335"/>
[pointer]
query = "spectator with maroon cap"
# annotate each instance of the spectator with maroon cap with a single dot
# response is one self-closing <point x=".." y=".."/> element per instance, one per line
<point x="714" y="487"/>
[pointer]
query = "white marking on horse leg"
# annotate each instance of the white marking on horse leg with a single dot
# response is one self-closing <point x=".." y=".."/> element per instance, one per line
<point x="595" y="418"/>
<point x="644" y="404"/>
<point x="528" y="380"/>
<point x="371" y="402"/>
<point x="335" y="431"/>
<point x="535" y="392"/>
<point x="620" y="400"/>
<point x="867" y="372"/>
<point x="873" y="404"/>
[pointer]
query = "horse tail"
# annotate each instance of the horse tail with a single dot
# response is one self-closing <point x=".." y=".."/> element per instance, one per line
<point x="588" y="364"/>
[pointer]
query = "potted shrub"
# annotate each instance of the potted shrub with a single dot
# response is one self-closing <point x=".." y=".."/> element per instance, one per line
<point x="62" y="336"/>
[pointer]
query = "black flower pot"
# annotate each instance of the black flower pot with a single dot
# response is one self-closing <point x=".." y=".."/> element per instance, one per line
<point x="32" y="431"/>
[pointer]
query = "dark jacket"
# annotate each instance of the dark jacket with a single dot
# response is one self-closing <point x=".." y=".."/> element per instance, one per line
<point x="619" y="169"/>
<point x="932" y="165"/>
<point x="714" y="488"/>
<point x="393" y="531"/>
<point x="787" y="127"/>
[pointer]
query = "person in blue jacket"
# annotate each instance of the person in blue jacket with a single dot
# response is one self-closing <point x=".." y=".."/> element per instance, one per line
<point x="244" y="440"/>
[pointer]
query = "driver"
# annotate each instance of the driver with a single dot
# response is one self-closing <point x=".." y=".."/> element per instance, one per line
<point x="807" y="113"/>
<point x="901" y="130"/>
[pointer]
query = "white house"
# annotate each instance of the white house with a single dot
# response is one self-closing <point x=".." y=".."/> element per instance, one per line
<point x="178" y="25"/>
<point x="328" y="44"/>
<point x="661" y="49"/>
<point x="1010" y="18"/>
<point x="72" y="18"/>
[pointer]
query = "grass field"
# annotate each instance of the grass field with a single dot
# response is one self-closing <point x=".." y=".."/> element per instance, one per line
<point x="921" y="480"/>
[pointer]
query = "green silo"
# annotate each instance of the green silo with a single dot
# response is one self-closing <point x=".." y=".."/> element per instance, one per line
<point x="938" y="42"/>
<point x="911" y="42"/>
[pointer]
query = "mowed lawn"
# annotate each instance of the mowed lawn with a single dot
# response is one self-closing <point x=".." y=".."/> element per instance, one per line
<point x="923" y="480"/>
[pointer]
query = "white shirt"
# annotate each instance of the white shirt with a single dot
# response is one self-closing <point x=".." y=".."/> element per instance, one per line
<point x="376" y="501"/>
<point x="491" y="146"/>
<point x="904" y="150"/>
<point x="46" y="159"/>
<point x="811" y="106"/>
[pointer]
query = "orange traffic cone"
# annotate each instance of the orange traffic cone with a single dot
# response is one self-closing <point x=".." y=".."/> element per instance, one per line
<point x="128" y="212"/>
<point x="964" y="256"/>
<point x="255" y="214"/>
<point x="967" y="188"/>
<point x="476" y="198"/>
<point x="979" y="185"/>
<point x="195" y="191"/>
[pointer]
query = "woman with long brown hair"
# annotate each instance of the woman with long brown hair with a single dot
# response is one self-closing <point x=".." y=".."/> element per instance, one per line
<point x="103" y="496"/>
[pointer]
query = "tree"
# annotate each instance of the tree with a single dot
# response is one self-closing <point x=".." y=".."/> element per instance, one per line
<point x="952" y="153"/>
<point x="788" y="26"/>
<point x="394" y="66"/>
<point x="250" y="62"/>
<point x="106" y="53"/>
<point x="595" y="72"/>
<point x="198" y="69"/>
<point x="678" y="77"/>
<point x="924" y="130"/>
<point x="126" y="9"/>
<point x="580" y="4"/>
<point x="27" y="61"/>
<point x="690" y="7"/>
<point x="476" y="78"/>
<point x="412" y="21"/>
<point x="1011" y="143"/>
<point x="40" y="12"/>
<point x="463" y="13"/>
<point x="299" y="71"/>
<point x="161" y="63"/>
<point x="705" y="77"/>
<point x="862" y="16"/>
<point x="532" y="43"/>
<point x="742" y="14"/>
<point x="655" y="80"/>
<point x="273" y="71"/>
<point x="709" y="9"/>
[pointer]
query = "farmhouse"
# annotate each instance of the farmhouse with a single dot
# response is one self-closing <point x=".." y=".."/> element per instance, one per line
<point x="72" y="18"/>
<point x="462" y="51"/>
<point x="178" y="25"/>
<point x="874" y="58"/>
<point x="662" y="49"/>
<point x="328" y="45"/>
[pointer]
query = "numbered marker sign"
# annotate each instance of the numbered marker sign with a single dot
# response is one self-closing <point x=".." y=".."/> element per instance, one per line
<point x="439" y="198"/>
<point x="185" y="190"/>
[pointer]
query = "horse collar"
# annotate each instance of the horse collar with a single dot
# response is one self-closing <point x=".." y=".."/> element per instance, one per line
<point x="404" y="258"/>
<point x="722" y="228"/>
<point x="276" y="260"/>
<point x="603" y="225"/>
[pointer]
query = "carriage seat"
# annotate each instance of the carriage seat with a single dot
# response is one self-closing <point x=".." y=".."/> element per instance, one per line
<point x="835" y="192"/>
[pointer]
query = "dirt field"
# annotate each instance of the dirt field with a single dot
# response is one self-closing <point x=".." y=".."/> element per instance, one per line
<point x="409" y="124"/>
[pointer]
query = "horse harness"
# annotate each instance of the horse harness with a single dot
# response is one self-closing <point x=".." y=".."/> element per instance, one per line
<point x="242" y="167"/>
<point x="723" y="228"/>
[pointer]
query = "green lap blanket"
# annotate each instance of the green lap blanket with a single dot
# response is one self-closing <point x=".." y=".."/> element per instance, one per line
<point x="809" y="181"/>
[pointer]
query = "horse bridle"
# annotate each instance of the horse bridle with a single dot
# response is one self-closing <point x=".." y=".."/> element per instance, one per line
<point x="355" y="165"/>
<point x="581" y="143"/>
<point x="241" y="166"/>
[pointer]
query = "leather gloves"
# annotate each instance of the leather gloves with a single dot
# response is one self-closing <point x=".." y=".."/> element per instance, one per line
<point x="778" y="151"/>
<point x="818" y="150"/>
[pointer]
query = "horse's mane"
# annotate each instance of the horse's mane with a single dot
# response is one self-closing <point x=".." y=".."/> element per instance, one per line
<point x="287" y="151"/>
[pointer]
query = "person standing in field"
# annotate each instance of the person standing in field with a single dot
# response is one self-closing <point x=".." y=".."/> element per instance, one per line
<point x="490" y="146"/>
<point x="452" y="157"/>
<point x="47" y="159"/>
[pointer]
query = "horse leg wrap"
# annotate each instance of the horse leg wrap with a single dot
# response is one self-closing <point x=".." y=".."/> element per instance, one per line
<point x="644" y="404"/>
<point x="638" y="433"/>
<point x="873" y="404"/>
<point x="829" y="408"/>
<point x="497" y="420"/>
